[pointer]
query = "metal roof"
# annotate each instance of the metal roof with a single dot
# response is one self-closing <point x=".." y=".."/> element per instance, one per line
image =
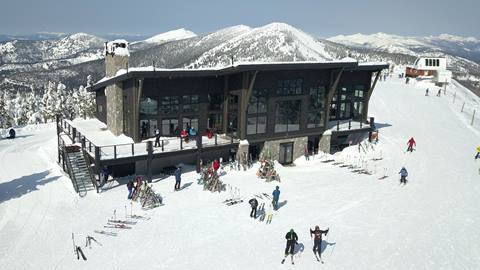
<point x="151" y="72"/>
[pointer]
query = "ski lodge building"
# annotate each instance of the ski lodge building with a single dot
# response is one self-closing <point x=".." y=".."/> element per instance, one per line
<point x="280" y="109"/>
<point x="435" y="67"/>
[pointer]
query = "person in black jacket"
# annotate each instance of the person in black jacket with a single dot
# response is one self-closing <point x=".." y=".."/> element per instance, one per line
<point x="292" y="239"/>
<point x="317" y="240"/>
<point x="130" y="189"/>
<point x="254" y="204"/>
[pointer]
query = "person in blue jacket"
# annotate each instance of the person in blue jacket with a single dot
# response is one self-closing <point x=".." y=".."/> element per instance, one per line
<point x="276" y="196"/>
<point x="403" y="175"/>
<point x="178" y="177"/>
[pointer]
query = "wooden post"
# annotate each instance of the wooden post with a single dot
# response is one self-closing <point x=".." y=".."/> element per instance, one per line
<point x="181" y="143"/>
<point x="163" y="146"/>
<point x="349" y="124"/>
<point x="473" y="118"/>
<point x="216" y="139"/>
<point x="97" y="161"/>
<point x="338" y="125"/>
<point x="226" y="95"/>
<point x="115" y="152"/>
<point x="133" y="149"/>
<point x="149" y="161"/>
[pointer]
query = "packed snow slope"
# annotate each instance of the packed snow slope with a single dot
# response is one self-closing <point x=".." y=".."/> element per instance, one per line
<point x="433" y="222"/>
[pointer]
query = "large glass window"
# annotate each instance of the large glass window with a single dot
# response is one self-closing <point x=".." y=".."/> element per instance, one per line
<point x="169" y="105"/>
<point x="215" y="121"/>
<point x="287" y="116"/>
<point x="190" y="121"/>
<point x="170" y="127"/>
<point x="289" y="87"/>
<point x="215" y="102"/>
<point x="148" y="106"/>
<point x="257" y="109"/>
<point x="316" y="107"/>
<point x="190" y="103"/>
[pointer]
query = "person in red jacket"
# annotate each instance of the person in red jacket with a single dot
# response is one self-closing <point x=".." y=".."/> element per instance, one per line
<point x="216" y="165"/>
<point x="411" y="143"/>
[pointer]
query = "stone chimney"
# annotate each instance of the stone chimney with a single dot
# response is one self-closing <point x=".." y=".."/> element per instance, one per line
<point x="116" y="59"/>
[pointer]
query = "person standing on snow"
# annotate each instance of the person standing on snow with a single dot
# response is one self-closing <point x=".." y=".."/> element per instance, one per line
<point x="411" y="143"/>
<point x="317" y="240"/>
<point x="254" y="204"/>
<point x="216" y="165"/>
<point x="403" y="175"/>
<point x="178" y="178"/>
<point x="426" y="92"/>
<point x="292" y="239"/>
<point x="276" y="197"/>
<point x="130" y="189"/>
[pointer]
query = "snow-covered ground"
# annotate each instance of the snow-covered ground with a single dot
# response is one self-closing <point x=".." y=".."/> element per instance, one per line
<point x="431" y="223"/>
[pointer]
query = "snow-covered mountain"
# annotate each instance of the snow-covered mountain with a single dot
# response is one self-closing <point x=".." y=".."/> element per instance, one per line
<point x="66" y="60"/>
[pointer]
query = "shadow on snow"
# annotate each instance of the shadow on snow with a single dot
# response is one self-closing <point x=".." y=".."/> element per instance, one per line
<point x="24" y="185"/>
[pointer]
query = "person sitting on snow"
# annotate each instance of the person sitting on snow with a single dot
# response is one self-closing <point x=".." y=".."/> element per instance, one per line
<point x="403" y="175"/>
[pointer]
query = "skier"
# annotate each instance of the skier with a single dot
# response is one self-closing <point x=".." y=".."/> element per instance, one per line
<point x="478" y="152"/>
<point x="403" y="175"/>
<point x="130" y="189"/>
<point x="411" y="143"/>
<point x="292" y="239"/>
<point x="178" y="177"/>
<point x="157" y="137"/>
<point x="276" y="196"/>
<point x="254" y="204"/>
<point x="426" y="92"/>
<point x="317" y="240"/>
<point x="216" y="165"/>
<point x="439" y="92"/>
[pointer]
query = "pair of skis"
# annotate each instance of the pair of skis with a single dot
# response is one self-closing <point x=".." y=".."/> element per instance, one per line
<point x="78" y="250"/>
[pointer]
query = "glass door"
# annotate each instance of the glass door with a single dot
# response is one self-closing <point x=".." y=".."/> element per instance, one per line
<point x="286" y="153"/>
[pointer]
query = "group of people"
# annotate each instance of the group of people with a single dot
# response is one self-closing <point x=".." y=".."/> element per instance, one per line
<point x="439" y="92"/>
<point x="292" y="240"/>
<point x="254" y="202"/>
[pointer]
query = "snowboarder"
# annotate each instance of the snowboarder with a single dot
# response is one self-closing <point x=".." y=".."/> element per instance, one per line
<point x="216" y="165"/>
<point x="157" y="137"/>
<point x="317" y="240"/>
<point x="254" y="204"/>
<point x="478" y="152"/>
<point x="130" y="189"/>
<point x="178" y="177"/>
<point x="403" y="175"/>
<point x="426" y="92"/>
<point x="411" y="143"/>
<point x="276" y="196"/>
<point x="11" y="134"/>
<point x="439" y="92"/>
<point x="292" y="239"/>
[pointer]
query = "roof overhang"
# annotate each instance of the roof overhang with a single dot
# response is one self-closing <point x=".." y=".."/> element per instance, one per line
<point x="151" y="72"/>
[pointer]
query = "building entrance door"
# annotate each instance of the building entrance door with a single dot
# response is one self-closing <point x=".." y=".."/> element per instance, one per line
<point x="286" y="153"/>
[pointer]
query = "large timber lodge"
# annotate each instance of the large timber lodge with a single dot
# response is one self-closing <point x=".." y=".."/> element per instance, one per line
<point x="287" y="108"/>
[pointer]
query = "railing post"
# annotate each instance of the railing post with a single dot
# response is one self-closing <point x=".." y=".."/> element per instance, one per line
<point x="133" y="149"/>
<point x="89" y="146"/>
<point x="83" y="142"/>
<point x="149" y="161"/>
<point x="361" y="124"/>
<point x="216" y="139"/>
<point x="115" y="151"/>
<point x="162" y="146"/>
<point x="349" y="124"/>
<point x="97" y="161"/>
<point x="181" y="143"/>
<point x="338" y="125"/>
<point x="57" y="119"/>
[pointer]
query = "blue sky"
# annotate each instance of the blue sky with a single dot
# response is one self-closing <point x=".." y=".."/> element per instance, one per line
<point x="321" y="18"/>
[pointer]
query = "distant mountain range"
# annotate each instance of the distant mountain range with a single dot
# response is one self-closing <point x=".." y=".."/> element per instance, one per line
<point x="30" y="64"/>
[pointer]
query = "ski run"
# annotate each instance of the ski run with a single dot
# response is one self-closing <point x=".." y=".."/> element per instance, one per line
<point x="431" y="222"/>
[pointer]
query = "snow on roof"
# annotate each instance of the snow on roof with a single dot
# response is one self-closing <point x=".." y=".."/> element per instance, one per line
<point x="117" y="47"/>
<point x="97" y="132"/>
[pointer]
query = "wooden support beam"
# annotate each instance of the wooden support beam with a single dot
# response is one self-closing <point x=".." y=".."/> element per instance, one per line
<point x="226" y="96"/>
<point x="245" y="94"/>
<point x="331" y="91"/>
<point x="136" y="111"/>
<point x="368" y="95"/>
